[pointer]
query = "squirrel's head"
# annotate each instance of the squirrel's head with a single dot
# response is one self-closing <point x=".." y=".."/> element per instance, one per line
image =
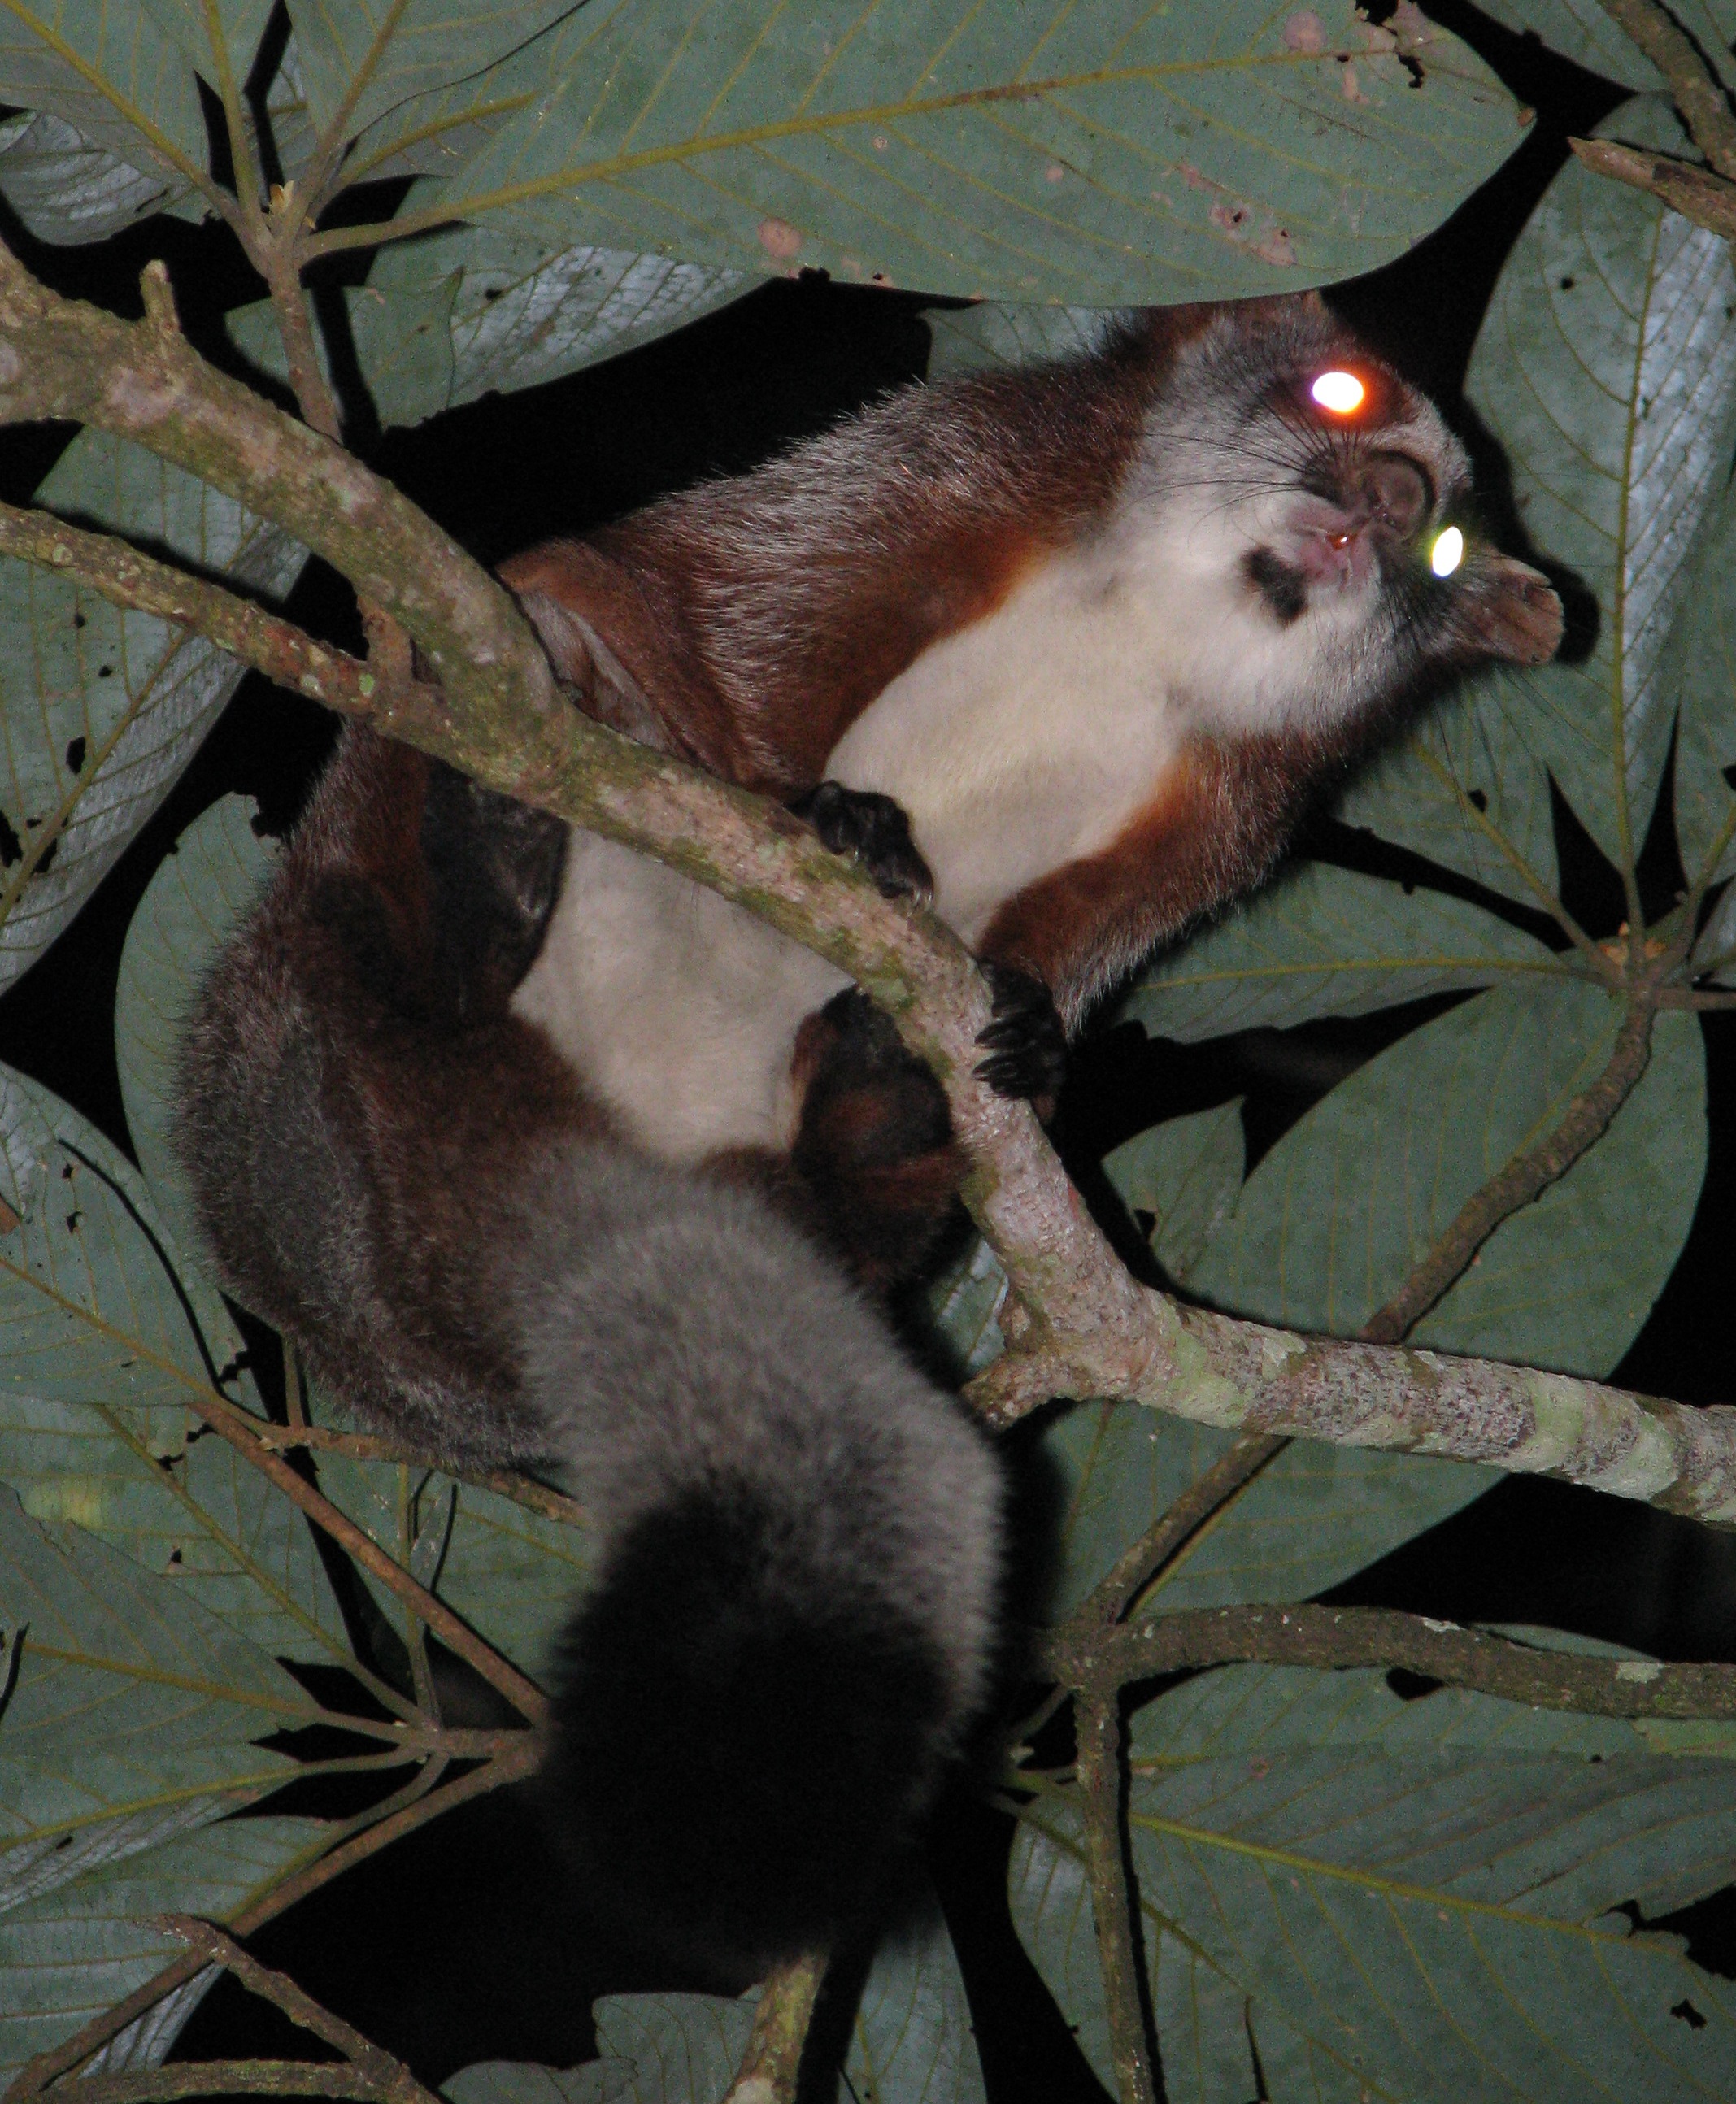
<point x="1319" y="511"/>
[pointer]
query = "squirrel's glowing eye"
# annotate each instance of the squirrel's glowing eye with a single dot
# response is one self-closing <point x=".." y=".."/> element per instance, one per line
<point x="1341" y="392"/>
<point x="1448" y="551"/>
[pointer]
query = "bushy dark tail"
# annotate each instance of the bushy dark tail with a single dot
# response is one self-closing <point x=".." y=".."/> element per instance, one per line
<point x="792" y="1623"/>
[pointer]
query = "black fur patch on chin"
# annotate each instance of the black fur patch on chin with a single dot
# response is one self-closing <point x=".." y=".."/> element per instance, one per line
<point x="1282" y="587"/>
<point x="739" y="1749"/>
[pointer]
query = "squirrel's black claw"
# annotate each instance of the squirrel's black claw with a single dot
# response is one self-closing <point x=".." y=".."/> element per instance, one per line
<point x="873" y="829"/>
<point x="1026" y="1042"/>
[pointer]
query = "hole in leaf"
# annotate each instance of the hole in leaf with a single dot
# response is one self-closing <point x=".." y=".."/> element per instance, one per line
<point x="1479" y="798"/>
<point x="1411" y="1686"/>
<point x="10" y="846"/>
<point x="1688" y="2014"/>
<point x="105" y="671"/>
<point x="75" y="749"/>
<point x="45" y="860"/>
<point x="1569" y="284"/>
<point x="79" y="620"/>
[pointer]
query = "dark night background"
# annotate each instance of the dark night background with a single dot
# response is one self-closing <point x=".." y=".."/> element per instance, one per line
<point x="459" y="1945"/>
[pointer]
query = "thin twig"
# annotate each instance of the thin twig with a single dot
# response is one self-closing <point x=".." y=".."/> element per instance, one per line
<point x="1103" y="1661"/>
<point x="389" y="2076"/>
<point x="1137" y="2074"/>
<point x="121" y="574"/>
<point x="242" y="1431"/>
<point x="373" y="1447"/>
<point x="1697" y="93"/>
<point x="514" y="1766"/>
<point x="771" y="2063"/>
<point x="1173" y="1529"/>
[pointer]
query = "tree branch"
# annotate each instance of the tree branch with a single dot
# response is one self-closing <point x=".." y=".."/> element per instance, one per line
<point x="120" y="573"/>
<point x="1102" y="1660"/>
<point x="370" y="1446"/>
<point x="1697" y="93"/>
<point x="1137" y="2075"/>
<point x="1694" y="192"/>
<point x="1076" y="1323"/>
<point x="771" y="2063"/>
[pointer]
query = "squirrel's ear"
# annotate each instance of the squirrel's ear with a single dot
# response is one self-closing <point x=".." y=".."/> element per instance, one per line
<point x="602" y="685"/>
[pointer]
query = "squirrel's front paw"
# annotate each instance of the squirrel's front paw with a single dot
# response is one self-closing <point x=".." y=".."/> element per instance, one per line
<point x="874" y="831"/>
<point x="1026" y="1042"/>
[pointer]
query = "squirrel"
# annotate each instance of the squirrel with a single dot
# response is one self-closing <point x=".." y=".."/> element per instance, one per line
<point x="544" y="1155"/>
<point x="1068" y="650"/>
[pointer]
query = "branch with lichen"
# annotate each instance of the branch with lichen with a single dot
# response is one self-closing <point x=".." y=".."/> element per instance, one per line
<point x="1708" y="195"/>
<point x="1076" y="1323"/>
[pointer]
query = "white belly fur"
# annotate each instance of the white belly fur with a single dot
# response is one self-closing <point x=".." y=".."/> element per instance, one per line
<point x="1016" y="745"/>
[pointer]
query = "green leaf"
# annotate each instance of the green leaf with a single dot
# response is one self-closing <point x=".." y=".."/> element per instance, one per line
<point x="1323" y="941"/>
<point x="989" y="335"/>
<point x="1607" y="369"/>
<point x="1314" y="1516"/>
<point x="202" y="887"/>
<point x="1706" y="736"/>
<point x="368" y="57"/>
<point x="511" y="1573"/>
<point x="107" y="67"/>
<point x="72" y="1952"/>
<point x="192" y="1508"/>
<point x="1583" y="31"/>
<point x="1416" y="1895"/>
<point x="93" y="1301"/>
<point x="104" y="708"/>
<point x="1096" y="155"/>
<point x="66" y="190"/>
<point x="912" y="2042"/>
<point x="964" y="1306"/>
<point x="1464" y="789"/>
<point x="683" y="2048"/>
<point x="132" y="1712"/>
<point x="1354" y="1194"/>
<point x="1187" y="1174"/>
<point x="523" y="2082"/>
<point x="519" y="312"/>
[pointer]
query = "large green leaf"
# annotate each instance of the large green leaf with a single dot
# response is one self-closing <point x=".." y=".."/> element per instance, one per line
<point x="71" y="1953"/>
<point x="131" y="1714"/>
<point x="518" y="312"/>
<point x="1187" y="1174"/>
<point x="93" y="1301"/>
<point x="360" y="59"/>
<point x="1331" y="1222"/>
<point x="65" y="189"/>
<point x="1583" y="31"/>
<point x="109" y="69"/>
<point x="1464" y="789"/>
<point x="126" y="1732"/>
<point x="1415" y="1895"/>
<point x="203" y="886"/>
<point x="104" y="709"/>
<point x="104" y="1330"/>
<point x="912" y="2043"/>
<point x="511" y="1573"/>
<point x="1706" y="739"/>
<point x="1607" y="369"/>
<point x="991" y="334"/>
<point x="191" y="1506"/>
<point x="1095" y="154"/>
<point x="1314" y="1516"/>
<point x="1323" y="941"/>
